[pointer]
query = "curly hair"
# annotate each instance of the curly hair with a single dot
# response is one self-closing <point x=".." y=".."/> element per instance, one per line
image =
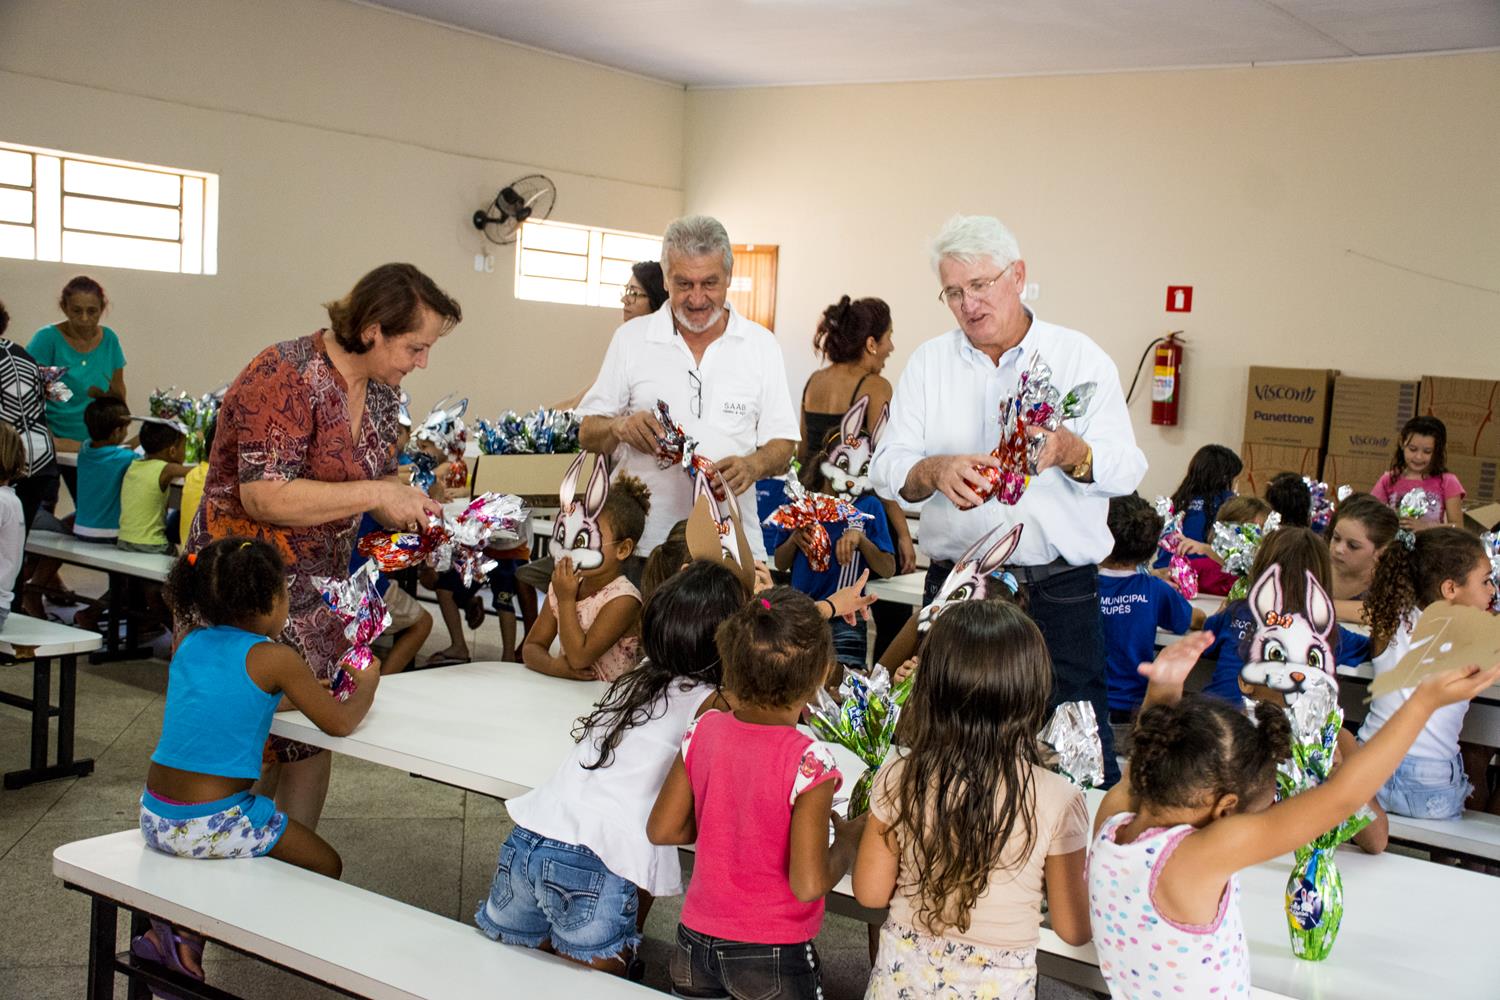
<point x="1409" y="579"/>
<point x="626" y="507"/>
<point x="1194" y="752"/>
<point x="964" y="799"/>
<point x="1136" y="527"/>
<point x="678" y="625"/>
<point x="847" y="324"/>
<point x="776" y="649"/>
<point x="228" y="582"/>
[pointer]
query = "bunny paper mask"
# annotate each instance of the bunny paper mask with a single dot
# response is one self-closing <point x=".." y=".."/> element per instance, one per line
<point x="714" y="531"/>
<point x="974" y="574"/>
<point x="1289" y="653"/>
<point x="847" y="466"/>
<point x="576" y="534"/>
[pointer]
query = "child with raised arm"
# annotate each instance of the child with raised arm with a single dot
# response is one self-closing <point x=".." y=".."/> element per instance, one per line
<point x="968" y="833"/>
<point x="223" y="686"/>
<point x="1195" y="807"/>
<point x="756" y="795"/>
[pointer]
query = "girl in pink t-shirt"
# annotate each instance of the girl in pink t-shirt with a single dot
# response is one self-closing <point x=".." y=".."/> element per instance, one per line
<point x="1421" y="460"/>
<point x="756" y="795"/>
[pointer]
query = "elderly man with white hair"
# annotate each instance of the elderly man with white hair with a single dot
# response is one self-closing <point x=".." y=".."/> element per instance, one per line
<point x="945" y="420"/>
<point x="721" y="374"/>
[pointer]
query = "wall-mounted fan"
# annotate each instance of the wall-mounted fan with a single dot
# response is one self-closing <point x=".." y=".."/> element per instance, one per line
<point x="529" y="197"/>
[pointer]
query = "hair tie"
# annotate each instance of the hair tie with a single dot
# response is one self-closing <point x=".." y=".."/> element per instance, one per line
<point x="192" y="558"/>
<point x="245" y="544"/>
<point x="765" y="604"/>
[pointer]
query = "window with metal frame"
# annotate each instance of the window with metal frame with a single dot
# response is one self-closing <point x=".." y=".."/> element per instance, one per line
<point x="79" y="209"/>
<point x="578" y="265"/>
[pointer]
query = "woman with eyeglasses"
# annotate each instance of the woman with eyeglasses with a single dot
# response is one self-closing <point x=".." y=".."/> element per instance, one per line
<point x="644" y="292"/>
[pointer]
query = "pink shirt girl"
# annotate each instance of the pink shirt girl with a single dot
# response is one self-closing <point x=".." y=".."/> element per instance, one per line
<point x="625" y="654"/>
<point x="1390" y="490"/>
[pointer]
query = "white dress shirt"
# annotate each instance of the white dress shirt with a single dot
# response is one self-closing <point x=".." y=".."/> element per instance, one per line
<point x="745" y="405"/>
<point x="947" y="402"/>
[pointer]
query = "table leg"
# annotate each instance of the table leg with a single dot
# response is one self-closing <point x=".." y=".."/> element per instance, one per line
<point x="116" y="606"/>
<point x="41" y="703"/>
<point x="41" y="712"/>
<point x="102" y="917"/>
<point x="67" y="702"/>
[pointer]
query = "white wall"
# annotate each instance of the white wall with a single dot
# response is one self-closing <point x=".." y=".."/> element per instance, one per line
<point x="1253" y="186"/>
<point x="344" y="136"/>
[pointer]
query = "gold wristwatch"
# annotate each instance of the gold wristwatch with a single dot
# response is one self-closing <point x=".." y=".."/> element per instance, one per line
<point x="1085" y="468"/>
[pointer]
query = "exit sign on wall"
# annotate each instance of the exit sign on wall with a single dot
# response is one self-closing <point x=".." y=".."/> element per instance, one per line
<point x="1179" y="298"/>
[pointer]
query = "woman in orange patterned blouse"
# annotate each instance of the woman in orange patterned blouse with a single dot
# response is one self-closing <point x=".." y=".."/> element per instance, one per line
<point x="305" y="445"/>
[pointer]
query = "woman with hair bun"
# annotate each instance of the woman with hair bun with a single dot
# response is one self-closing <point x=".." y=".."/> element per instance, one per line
<point x="854" y="339"/>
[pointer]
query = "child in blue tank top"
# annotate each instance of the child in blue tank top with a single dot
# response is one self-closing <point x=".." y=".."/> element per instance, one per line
<point x="223" y="686"/>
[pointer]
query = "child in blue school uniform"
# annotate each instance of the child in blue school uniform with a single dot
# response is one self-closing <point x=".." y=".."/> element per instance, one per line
<point x="1207" y="484"/>
<point x="1133" y="604"/>
<point x="853" y="548"/>
<point x="1297" y="551"/>
<point x="223" y="685"/>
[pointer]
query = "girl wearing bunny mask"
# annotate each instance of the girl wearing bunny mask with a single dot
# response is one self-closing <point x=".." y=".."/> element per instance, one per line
<point x="589" y="628"/>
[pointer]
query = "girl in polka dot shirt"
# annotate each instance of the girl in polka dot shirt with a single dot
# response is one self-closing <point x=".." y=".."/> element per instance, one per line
<point x="1195" y="807"/>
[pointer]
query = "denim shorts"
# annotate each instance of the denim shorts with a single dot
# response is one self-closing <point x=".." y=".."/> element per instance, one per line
<point x="546" y="890"/>
<point x="1423" y="788"/>
<point x="705" y="966"/>
<point x="850" y="643"/>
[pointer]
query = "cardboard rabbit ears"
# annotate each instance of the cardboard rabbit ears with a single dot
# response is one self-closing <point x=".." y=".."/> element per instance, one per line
<point x="971" y="577"/>
<point x="715" y="532"/>
<point x="1446" y="636"/>
<point x="576" y="533"/>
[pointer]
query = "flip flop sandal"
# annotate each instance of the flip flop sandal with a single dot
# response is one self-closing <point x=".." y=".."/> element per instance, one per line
<point x="163" y="951"/>
<point x="439" y="661"/>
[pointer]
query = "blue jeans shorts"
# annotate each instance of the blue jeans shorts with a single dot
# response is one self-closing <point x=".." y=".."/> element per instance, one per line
<point x="546" y="890"/>
<point x="708" y="967"/>
<point x="1423" y="788"/>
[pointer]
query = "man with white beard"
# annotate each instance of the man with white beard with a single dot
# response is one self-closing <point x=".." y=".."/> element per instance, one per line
<point x="722" y="376"/>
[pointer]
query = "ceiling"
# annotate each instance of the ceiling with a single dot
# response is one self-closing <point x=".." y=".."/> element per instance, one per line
<point x="731" y="43"/>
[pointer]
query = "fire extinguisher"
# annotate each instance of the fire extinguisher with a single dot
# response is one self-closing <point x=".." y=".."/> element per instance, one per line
<point x="1166" y="381"/>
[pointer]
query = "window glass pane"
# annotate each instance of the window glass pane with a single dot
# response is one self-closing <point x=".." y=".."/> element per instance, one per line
<point x="120" y="251"/>
<point x="211" y="225"/>
<point x="614" y="272"/>
<point x="17" y="241"/>
<point x="15" y="205"/>
<point x="48" y="208"/>
<point x="80" y="177"/>
<point x="540" y="264"/>
<point x="551" y="236"/>
<point x="192" y="225"/>
<point x="632" y="248"/>
<point x="15" y="168"/>
<point x="118" y="217"/>
<point x="551" y="290"/>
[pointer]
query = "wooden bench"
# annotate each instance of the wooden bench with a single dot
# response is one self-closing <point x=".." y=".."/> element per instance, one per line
<point x="39" y="641"/>
<point x="347" y="938"/>
<point x="125" y="570"/>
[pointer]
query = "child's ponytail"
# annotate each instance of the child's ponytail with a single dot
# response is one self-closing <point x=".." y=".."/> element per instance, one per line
<point x="228" y="581"/>
<point x="1412" y="577"/>
<point x="1393" y="592"/>
<point x="1273" y="743"/>
<point x="1203" y="748"/>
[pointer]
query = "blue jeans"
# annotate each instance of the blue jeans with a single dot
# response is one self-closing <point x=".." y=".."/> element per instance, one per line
<point x="704" y="966"/>
<point x="546" y="890"/>
<point x="1423" y="788"/>
<point x="1065" y="607"/>
<point x="850" y="646"/>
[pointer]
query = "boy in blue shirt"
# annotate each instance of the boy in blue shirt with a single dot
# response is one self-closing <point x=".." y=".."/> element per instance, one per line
<point x="102" y="464"/>
<point x="1133" y="604"/>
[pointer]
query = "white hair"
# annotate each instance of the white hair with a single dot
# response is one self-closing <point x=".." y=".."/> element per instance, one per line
<point x="968" y="238"/>
<point x="697" y="236"/>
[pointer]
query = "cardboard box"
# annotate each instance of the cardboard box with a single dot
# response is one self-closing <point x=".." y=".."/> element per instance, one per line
<point x="1264" y="461"/>
<point x="524" y="475"/>
<point x="1467" y="407"/>
<point x="1288" y="406"/>
<point x="1482" y="516"/>
<point x="1368" y="413"/>
<point x="1478" y="475"/>
<point x="1359" y="471"/>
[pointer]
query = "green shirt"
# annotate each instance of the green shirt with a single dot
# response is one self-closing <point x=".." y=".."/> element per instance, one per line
<point x="92" y="369"/>
<point x="143" y="503"/>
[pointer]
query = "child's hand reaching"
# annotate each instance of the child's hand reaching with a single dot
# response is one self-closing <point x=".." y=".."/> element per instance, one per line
<point x="852" y="602"/>
<point x="1456" y="685"/>
<point x="905" y="670"/>
<point x="1165" y="675"/>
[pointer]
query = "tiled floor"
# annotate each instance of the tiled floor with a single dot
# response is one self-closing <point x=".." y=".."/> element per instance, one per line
<point x="426" y="844"/>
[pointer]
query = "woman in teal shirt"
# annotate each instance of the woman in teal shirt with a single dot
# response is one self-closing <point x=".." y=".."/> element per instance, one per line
<point x="91" y="352"/>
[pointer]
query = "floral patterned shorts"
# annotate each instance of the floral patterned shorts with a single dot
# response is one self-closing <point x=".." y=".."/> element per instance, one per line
<point x="240" y="826"/>
<point x="910" y="965"/>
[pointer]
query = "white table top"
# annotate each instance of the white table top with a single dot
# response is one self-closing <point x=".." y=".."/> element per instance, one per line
<point x="343" y="935"/>
<point x="495" y="728"/>
<point x="99" y="555"/>
<point x="26" y="637"/>
<point x="500" y="729"/>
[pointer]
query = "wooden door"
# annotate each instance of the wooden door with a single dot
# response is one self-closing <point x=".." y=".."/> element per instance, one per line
<point x="752" y="289"/>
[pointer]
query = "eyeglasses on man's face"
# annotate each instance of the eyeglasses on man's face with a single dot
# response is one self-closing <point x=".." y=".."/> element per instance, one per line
<point x="954" y="295"/>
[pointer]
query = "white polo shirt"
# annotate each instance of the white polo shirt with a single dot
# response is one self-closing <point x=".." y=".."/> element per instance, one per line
<point x="947" y="402"/>
<point x="745" y="405"/>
